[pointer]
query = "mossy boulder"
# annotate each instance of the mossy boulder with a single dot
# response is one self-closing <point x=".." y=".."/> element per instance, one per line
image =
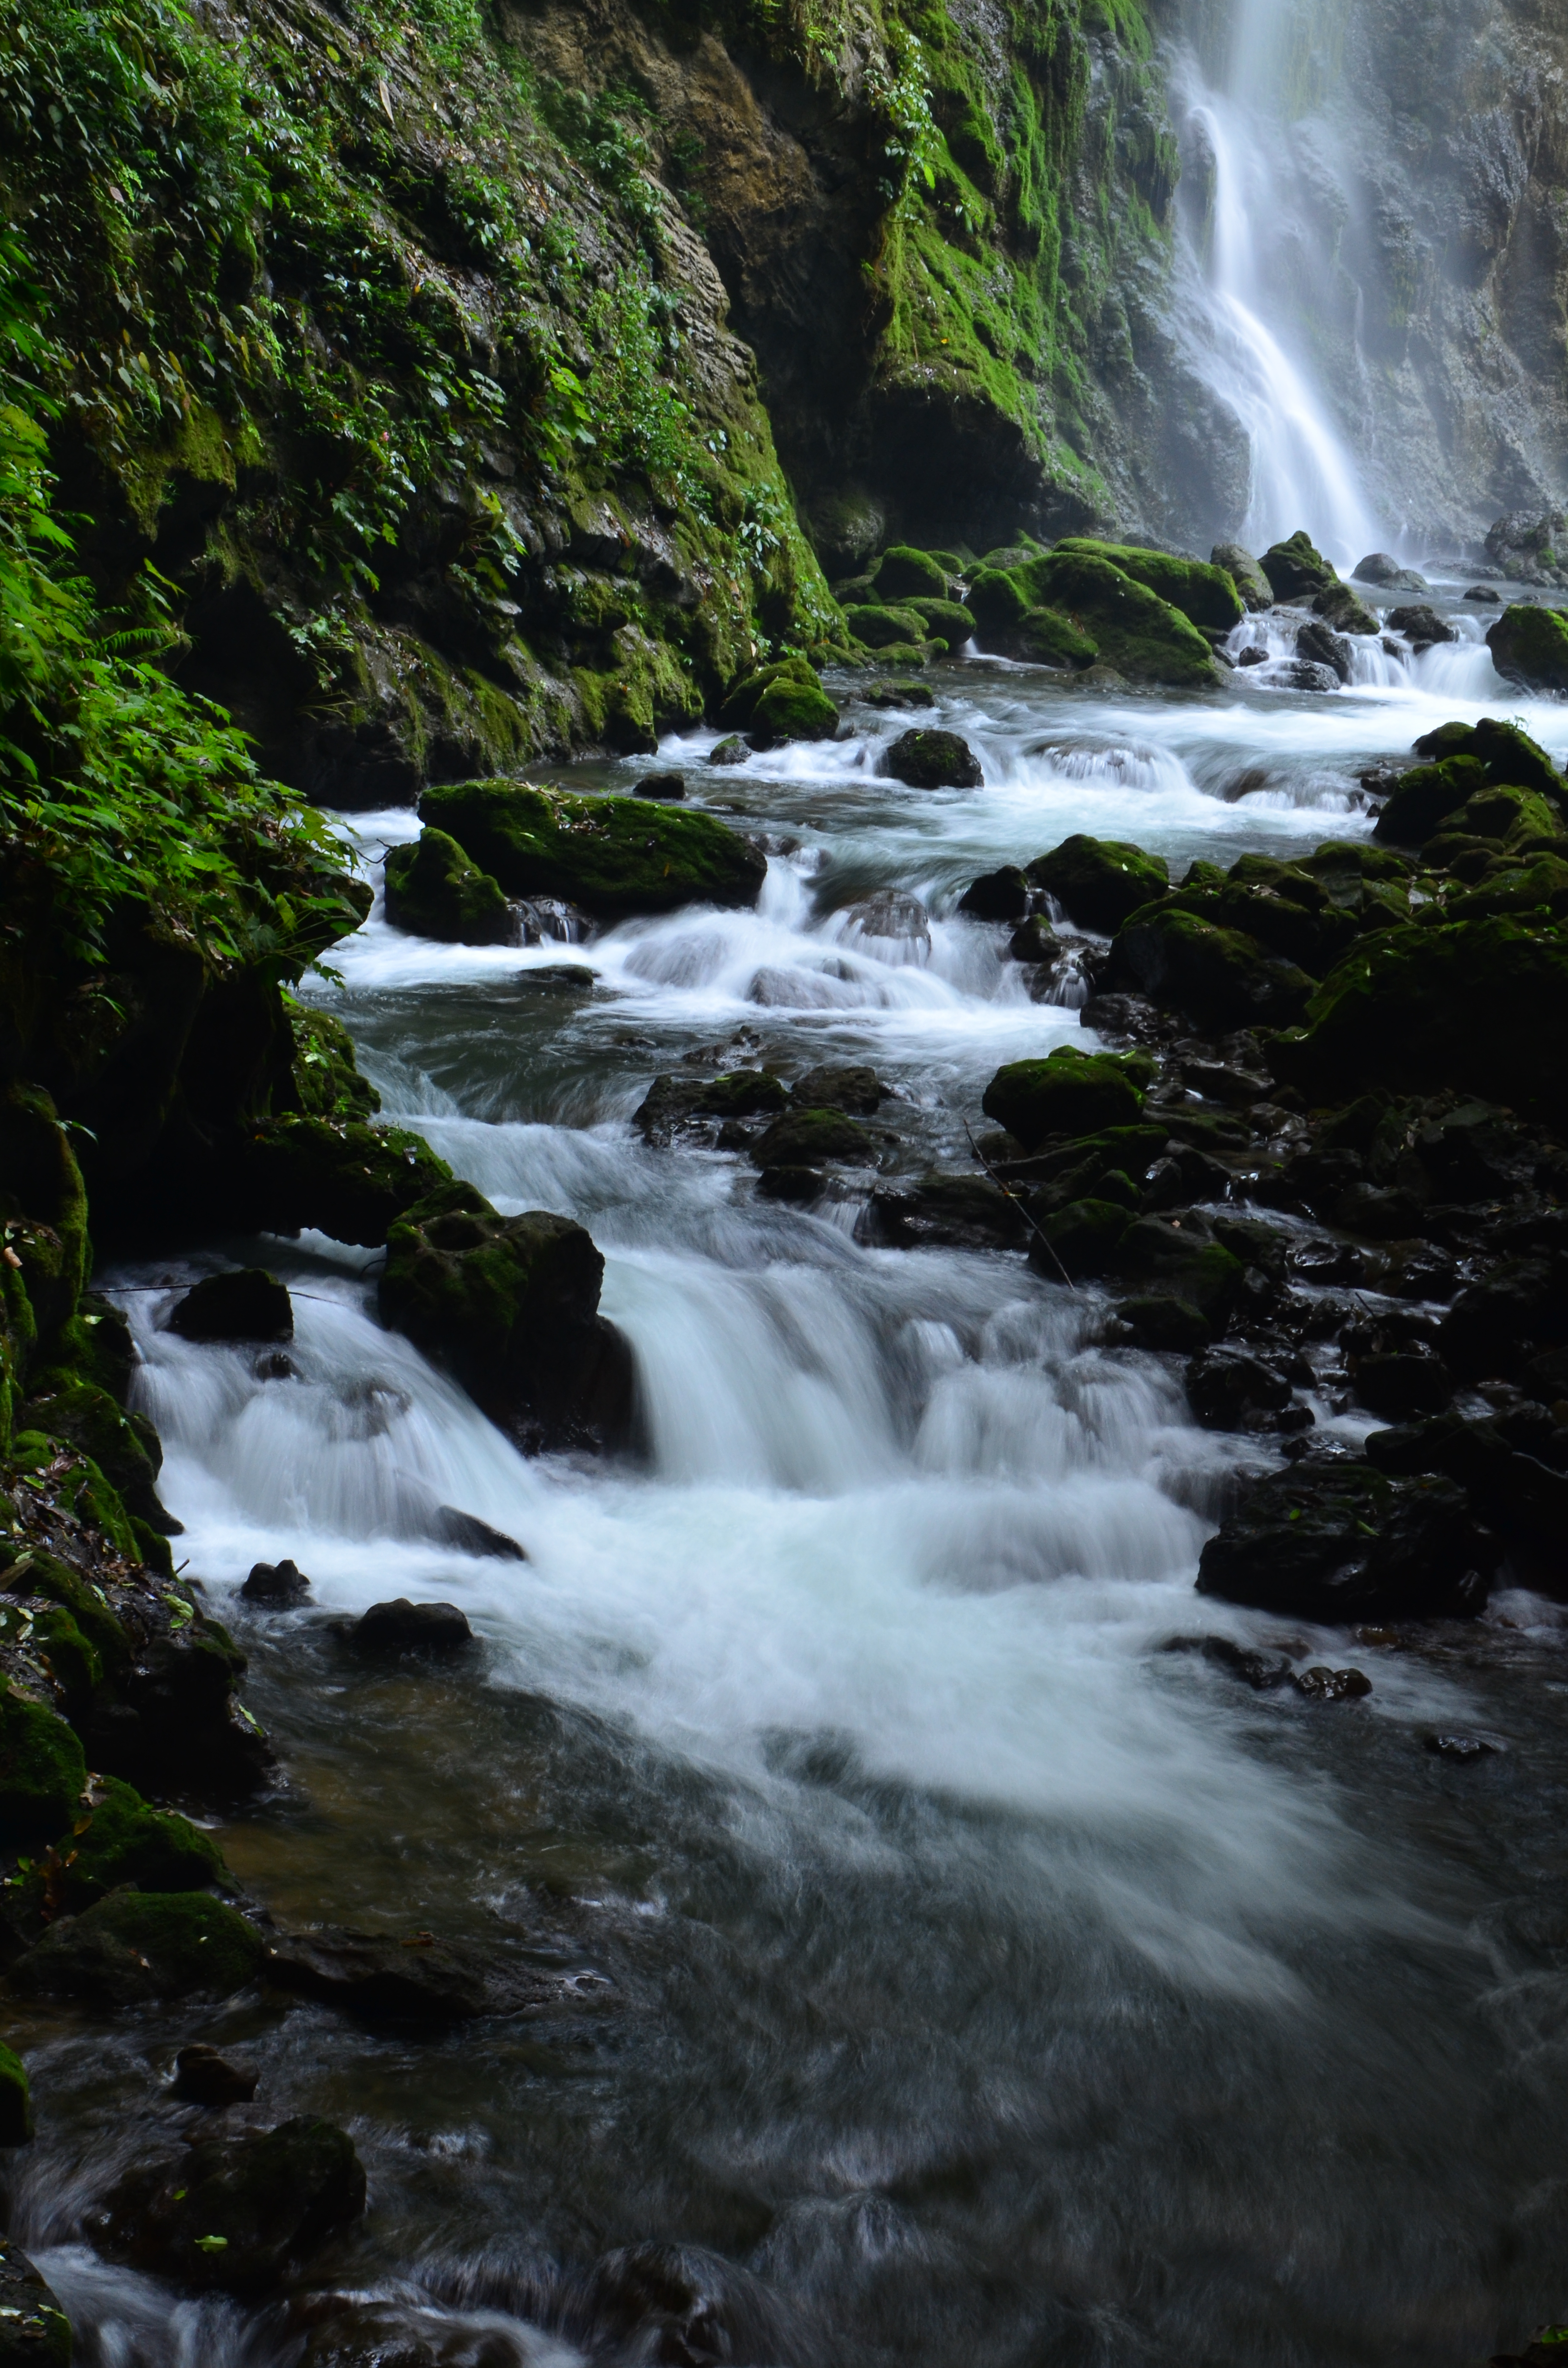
<point x="739" y="703"/>
<point x="1343" y="610"/>
<point x="343" y="1178"/>
<point x="1515" y="818"/>
<point x="510" y="1306"/>
<point x="327" y="1082"/>
<point x="1426" y="796"/>
<point x="1051" y="637"/>
<point x="1510" y="755"/>
<point x="1481" y="1006"/>
<point x="1099" y="882"/>
<point x="1513" y="885"/>
<point x="1082" y="1238"/>
<point x="881" y="627"/>
<point x="903" y="572"/>
<point x="612" y="856"/>
<point x="41" y="1578"/>
<point x="1142" y="636"/>
<point x="434" y="890"/>
<point x="951" y="619"/>
<point x="245" y="1303"/>
<point x="1219" y="977"/>
<point x="1164" y="1258"/>
<point x="1343" y="1542"/>
<point x="119" y="1839"/>
<point x="1529" y="646"/>
<point x="1296" y="569"/>
<point x="1206" y="594"/>
<point x="673" y="1101"/>
<point x="34" y="2330"/>
<point x="792" y="710"/>
<point x="125" y="1447"/>
<point x="1253" y="586"/>
<point x="16" y="2108"/>
<point x="1070" y="1093"/>
<point x="929" y="759"/>
<point x="135" y="1946"/>
<point x="1286" y="910"/>
<point x="809" y="1138"/>
<point x="240" y="2214"/>
<point x="43" y="1773"/>
<point x="997" y="600"/>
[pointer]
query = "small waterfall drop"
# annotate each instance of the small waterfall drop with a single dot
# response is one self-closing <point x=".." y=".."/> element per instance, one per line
<point x="1242" y="199"/>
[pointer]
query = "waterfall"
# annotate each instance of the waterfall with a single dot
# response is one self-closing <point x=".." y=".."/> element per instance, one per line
<point x="1243" y="207"/>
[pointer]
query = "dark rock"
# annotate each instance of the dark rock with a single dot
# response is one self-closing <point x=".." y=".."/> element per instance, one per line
<point x="997" y="896"/>
<point x="1529" y="646"/>
<point x="116" y="1838"/>
<point x="388" y="1630"/>
<point x="1229" y="1390"/>
<point x="277" y="1585"/>
<point x="673" y="1101"/>
<point x="435" y="891"/>
<point x="946" y="1212"/>
<point x="246" y="1305"/>
<point x="238" y="2213"/>
<point x="466" y="1534"/>
<point x="897" y="695"/>
<point x="1296" y="570"/>
<point x="348" y="1179"/>
<point x="1338" y="606"/>
<point x="806" y="1137"/>
<point x="34" y="2330"/>
<point x="1420" y="625"/>
<point x="612" y="856"/>
<point x="1379" y="568"/>
<point x="1545" y="1378"/>
<point x="1180" y="1258"/>
<point x="1304" y="673"/>
<point x="1319" y="646"/>
<point x="794" y="1184"/>
<point x="730" y="751"/>
<point x="132" y="1947"/>
<point x="510" y="1305"/>
<point x="1524" y="543"/>
<point x="1398" y="1384"/>
<point x="841" y="1086"/>
<point x="1069" y="1093"/>
<point x="1099" y="882"/>
<point x="382" y="1977"/>
<point x="667" y="787"/>
<point x="171" y="1721"/>
<point x="1340" y="1542"/>
<point x="1263" y="1671"/>
<point x="1032" y="941"/>
<point x="202" y="2077"/>
<point x="929" y="759"/>
<point x="1378" y="1212"/>
<point x="1217" y="976"/>
<point x="678" y="2303"/>
<point x="1157" y="1321"/>
<point x="1501" y="1322"/>
<point x="1324" y="1684"/>
<point x="1080" y="1240"/>
<point x="1483" y="592"/>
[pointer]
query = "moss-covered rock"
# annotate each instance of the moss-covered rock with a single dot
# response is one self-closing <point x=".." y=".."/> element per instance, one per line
<point x="928" y="759"/>
<point x="1217" y="977"/>
<point x="791" y="710"/>
<point x="1296" y="569"/>
<point x="612" y="856"/>
<point x="949" y="618"/>
<point x="245" y="1303"/>
<point x="1080" y="1238"/>
<point x="135" y="1946"/>
<point x="736" y="1093"/>
<point x="1514" y="885"/>
<point x="1343" y="610"/>
<point x="433" y="890"/>
<point x="1285" y="908"/>
<point x="1426" y="796"/>
<point x="1099" y="882"/>
<point x="43" y="1773"/>
<point x="1515" y="818"/>
<point x="808" y="1138"/>
<point x="125" y="1447"/>
<point x="16" y="2106"/>
<point x="1142" y="636"/>
<point x="879" y="626"/>
<point x="1184" y="1262"/>
<point x="997" y="600"/>
<point x="327" y="1083"/>
<point x="34" y="2330"/>
<point x="1001" y="896"/>
<point x="1529" y="646"/>
<point x="1051" y="637"/>
<point x="240" y="2213"/>
<point x="342" y="1177"/>
<point x="1345" y="1542"/>
<point x="903" y="572"/>
<point x="119" y="1839"/>
<point x="1253" y="586"/>
<point x="1481" y="1006"/>
<point x="739" y="703"/>
<point x="510" y="1306"/>
<point x="1070" y="1093"/>
<point x="1205" y="595"/>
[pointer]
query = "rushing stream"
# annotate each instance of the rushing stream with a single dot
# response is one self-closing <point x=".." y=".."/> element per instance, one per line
<point x="954" y="1975"/>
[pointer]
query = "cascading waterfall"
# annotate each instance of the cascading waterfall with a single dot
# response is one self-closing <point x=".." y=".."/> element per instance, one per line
<point x="1242" y="199"/>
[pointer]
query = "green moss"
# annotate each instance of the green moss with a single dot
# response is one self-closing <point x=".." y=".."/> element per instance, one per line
<point x="1099" y="882"/>
<point x="613" y="856"/>
<point x="1137" y="632"/>
<point x="880" y="627"/>
<point x="43" y="1773"/>
<point x="794" y="711"/>
<point x="124" y="1447"/>
<point x="326" y="1075"/>
<point x="133" y="1946"/>
<point x="1427" y="795"/>
<point x="1296" y="569"/>
<point x="806" y="1138"/>
<point x="435" y="891"/>
<point x="1219" y="977"/>
<point x="1083" y="1235"/>
<point x="1205" y="595"/>
<point x="119" y="1839"/>
<point x="348" y="1179"/>
<point x="1070" y="1093"/>
<point x="16" y="2101"/>
<point x="903" y="572"/>
<point x="1529" y="646"/>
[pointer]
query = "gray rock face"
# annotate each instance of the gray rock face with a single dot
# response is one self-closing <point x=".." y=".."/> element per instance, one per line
<point x="1531" y="546"/>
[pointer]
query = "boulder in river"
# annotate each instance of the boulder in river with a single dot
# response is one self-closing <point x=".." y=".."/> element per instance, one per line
<point x="1425" y="796"/>
<point x="1338" y="606"/>
<point x="806" y="1138"/>
<point x="277" y="1585"/>
<point x="1099" y="882"/>
<point x="1002" y="895"/>
<point x="238" y="2213"/>
<point x="669" y="788"/>
<point x="433" y="889"/>
<point x="903" y="572"/>
<point x="1296" y="569"/>
<point x="203" y="2077"/>
<point x="34" y="2330"/>
<point x="1231" y="1389"/>
<point x="1034" y="940"/>
<point x="510" y="1306"/>
<point x="929" y="759"/>
<point x="1219" y="977"/>
<point x="388" y="1630"/>
<point x="1069" y="1093"/>
<point x="386" y="1977"/>
<point x="849" y="1086"/>
<point x="673" y="1101"/>
<point x="792" y="710"/>
<point x="1484" y="594"/>
<point x="246" y="1303"/>
<point x="895" y="694"/>
<point x="1253" y="587"/>
<point x="1529" y="646"/>
<point x="610" y="855"/>
<point x="1205" y="594"/>
<point x="1142" y="636"/>
<point x="1336" y="1541"/>
<point x="939" y="1212"/>
<point x="1080" y="1240"/>
<point x="135" y="1946"/>
<point x="1316" y="642"/>
<point x="1379" y="567"/>
<point x="879" y="625"/>
<point x="339" y="1176"/>
<point x="1421" y="626"/>
<point x="118" y="1838"/>
<point x="1181" y="1258"/>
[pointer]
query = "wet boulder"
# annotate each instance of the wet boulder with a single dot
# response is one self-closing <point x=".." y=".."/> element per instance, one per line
<point x="246" y="1305"/>
<point x="1204" y="594"/>
<point x="1136" y="632"/>
<point x="1529" y="647"/>
<point x="277" y="1585"/>
<point x="893" y="914"/>
<point x="1252" y="585"/>
<point x="928" y="759"/>
<point x="731" y="750"/>
<point x="807" y="1138"/>
<point x="1426" y="796"/>
<point x="666" y="788"/>
<point x="671" y="1102"/>
<point x="1231" y="1389"/>
<point x="43" y="1773"/>
<point x="1180" y="1258"/>
<point x="895" y="694"/>
<point x="170" y="1718"/>
<point x="388" y="1631"/>
<point x="34" y="2330"/>
<point x="1219" y="977"/>
<point x="1034" y="940"/>
<point x="997" y="602"/>
<point x="1381" y="568"/>
<point x="963" y="1212"/>
<point x="433" y="889"/>
<point x="1081" y="1239"/>
<point x="842" y="1085"/>
<point x="948" y="618"/>
<point x="117" y="1838"/>
<point x="792" y="710"/>
<point x="877" y="625"/>
<point x="1501" y="1323"/>
<point x="1319" y="646"/>
<point x="337" y="1175"/>
<point x="509" y="1306"/>
<point x="1338" y="1542"/>
<point x="613" y="856"/>
<point x="1421" y="626"/>
<point x="203" y="2077"/>
<point x="1295" y="569"/>
<point x="1070" y="1093"/>
<point x="135" y="1946"/>
<point x="1099" y="882"/>
<point x="903" y="572"/>
<point x="466" y="1534"/>
<point x="1343" y="610"/>
<point x="238" y="2213"/>
<point x="1535" y="887"/>
<point x="409" y="1977"/>
<point x="1396" y="1381"/>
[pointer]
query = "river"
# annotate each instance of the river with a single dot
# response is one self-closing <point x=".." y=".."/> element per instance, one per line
<point x="950" y="1974"/>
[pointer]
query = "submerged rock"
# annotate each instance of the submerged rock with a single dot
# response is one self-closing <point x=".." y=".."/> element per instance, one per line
<point x="384" y="1977"/>
<point x="669" y="788"/>
<point x="238" y="2213"/>
<point x="132" y="1947"/>
<point x="926" y="759"/>
<point x="612" y="856"/>
<point x="1099" y="882"/>
<point x="969" y="1213"/>
<point x="1341" y="1542"/>
<point x="510" y="1306"/>
<point x="466" y="1534"/>
<point x="246" y="1305"/>
<point x="842" y="1085"/>
<point x="671" y="1102"/>
<point x="433" y="889"/>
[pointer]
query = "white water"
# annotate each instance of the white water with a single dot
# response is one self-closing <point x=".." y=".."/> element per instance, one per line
<point x="1246" y="330"/>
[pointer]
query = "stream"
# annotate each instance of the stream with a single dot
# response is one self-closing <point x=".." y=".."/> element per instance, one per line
<point x="932" y="1972"/>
